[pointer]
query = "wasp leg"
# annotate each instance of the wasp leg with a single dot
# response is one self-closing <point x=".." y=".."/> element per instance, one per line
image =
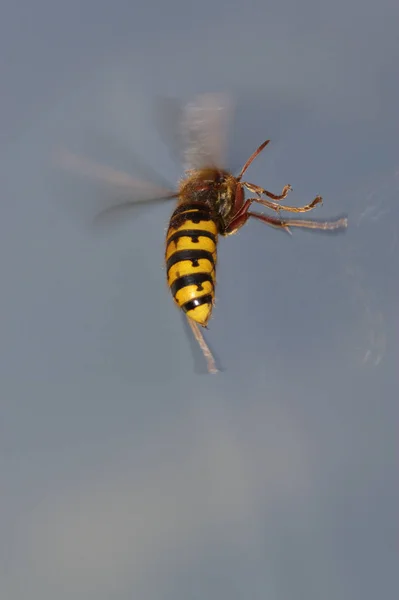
<point x="278" y="207"/>
<point x="287" y="223"/>
<point x="277" y="223"/>
<point x="256" y="189"/>
<point x="210" y="361"/>
<point x="243" y="215"/>
<point x="240" y="220"/>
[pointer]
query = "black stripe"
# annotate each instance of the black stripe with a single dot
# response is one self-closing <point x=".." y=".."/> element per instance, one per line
<point x="205" y="299"/>
<point x="190" y="254"/>
<point x="194" y="279"/>
<point x="194" y="234"/>
<point x="192" y="206"/>
<point x="194" y="216"/>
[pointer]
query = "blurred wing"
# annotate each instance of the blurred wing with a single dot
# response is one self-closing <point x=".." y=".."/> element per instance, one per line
<point x="130" y="191"/>
<point x="168" y="116"/>
<point x="203" y="130"/>
<point x="107" y="175"/>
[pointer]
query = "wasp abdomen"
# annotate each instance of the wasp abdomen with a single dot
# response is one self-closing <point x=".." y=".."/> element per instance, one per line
<point x="191" y="260"/>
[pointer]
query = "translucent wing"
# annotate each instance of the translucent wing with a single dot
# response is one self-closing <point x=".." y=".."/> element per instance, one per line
<point x="168" y="117"/>
<point x="84" y="166"/>
<point x="203" y="131"/>
<point x="127" y="191"/>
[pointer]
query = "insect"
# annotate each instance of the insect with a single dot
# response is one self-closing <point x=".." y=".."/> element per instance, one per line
<point x="211" y="202"/>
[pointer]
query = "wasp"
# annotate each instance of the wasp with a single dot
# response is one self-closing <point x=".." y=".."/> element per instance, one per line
<point x="211" y="202"/>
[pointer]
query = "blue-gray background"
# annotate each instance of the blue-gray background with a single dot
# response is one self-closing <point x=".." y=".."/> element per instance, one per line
<point x="123" y="473"/>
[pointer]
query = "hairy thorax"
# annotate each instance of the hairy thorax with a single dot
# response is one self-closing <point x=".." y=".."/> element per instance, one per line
<point x="214" y="187"/>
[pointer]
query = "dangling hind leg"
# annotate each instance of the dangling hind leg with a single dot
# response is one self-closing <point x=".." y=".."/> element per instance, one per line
<point x="210" y="361"/>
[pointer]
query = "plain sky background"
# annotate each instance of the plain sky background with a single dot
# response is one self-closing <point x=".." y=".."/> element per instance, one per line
<point x="123" y="472"/>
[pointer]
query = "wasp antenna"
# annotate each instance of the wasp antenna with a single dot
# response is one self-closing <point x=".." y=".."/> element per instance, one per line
<point x="252" y="158"/>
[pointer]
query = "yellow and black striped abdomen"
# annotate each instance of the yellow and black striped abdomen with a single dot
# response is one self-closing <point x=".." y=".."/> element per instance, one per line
<point x="191" y="260"/>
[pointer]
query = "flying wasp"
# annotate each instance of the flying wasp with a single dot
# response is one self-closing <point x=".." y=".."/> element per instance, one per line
<point x="211" y="201"/>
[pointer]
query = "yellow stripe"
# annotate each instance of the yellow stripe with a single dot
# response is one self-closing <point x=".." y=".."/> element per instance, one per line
<point x="185" y="243"/>
<point x="191" y="291"/>
<point x="202" y="225"/>
<point x="201" y="314"/>
<point x="185" y="267"/>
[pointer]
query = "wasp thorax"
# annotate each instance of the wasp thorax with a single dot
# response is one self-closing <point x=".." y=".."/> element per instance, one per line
<point x="214" y="187"/>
